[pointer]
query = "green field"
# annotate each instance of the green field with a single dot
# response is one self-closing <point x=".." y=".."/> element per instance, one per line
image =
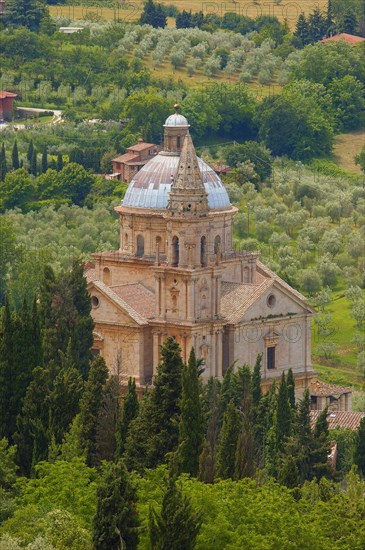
<point x="342" y="367"/>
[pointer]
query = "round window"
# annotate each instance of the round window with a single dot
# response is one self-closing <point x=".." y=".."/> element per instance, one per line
<point x="271" y="300"/>
<point x="94" y="301"/>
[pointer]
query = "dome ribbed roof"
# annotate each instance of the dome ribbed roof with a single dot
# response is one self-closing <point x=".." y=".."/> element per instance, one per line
<point x="151" y="186"/>
<point x="176" y="120"/>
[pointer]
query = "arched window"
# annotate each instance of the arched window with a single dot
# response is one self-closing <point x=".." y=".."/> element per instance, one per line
<point x="178" y="142"/>
<point x="106" y="276"/>
<point x="217" y="242"/>
<point x="203" y="251"/>
<point x="175" y="251"/>
<point x="140" y="246"/>
<point x="158" y="243"/>
<point x="126" y="240"/>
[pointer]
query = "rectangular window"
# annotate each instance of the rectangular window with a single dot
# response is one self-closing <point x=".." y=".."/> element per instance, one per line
<point x="95" y="352"/>
<point x="271" y="357"/>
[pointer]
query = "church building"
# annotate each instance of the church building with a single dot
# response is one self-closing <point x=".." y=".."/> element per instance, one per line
<point x="176" y="274"/>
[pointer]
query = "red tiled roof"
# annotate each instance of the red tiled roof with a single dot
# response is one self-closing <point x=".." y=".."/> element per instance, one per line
<point x="141" y="146"/>
<point x="237" y="298"/>
<point x="322" y="389"/>
<point x="349" y="38"/>
<point x="138" y="297"/>
<point x="127" y="157"/>
<point x="341" y="419"/>
<point x="4" y="95"/>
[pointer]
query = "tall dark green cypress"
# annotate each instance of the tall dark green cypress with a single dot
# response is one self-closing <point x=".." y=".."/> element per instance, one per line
<point x="283" y="414"/>
<point x="191" y="426"/>
<point x="177" y="526"/>
<point x="30" y="152"/>
<point x="226" y="456"/>
<point x="128" y="412"/>
<point x="33" y="163"/>
<point x="65" y="313"/>
<point x="64" y="398"/>
<point x="305" y="437"/>
<point x="245" y="459"/>
<point x="90" y="406"/>
<point x="208" y="457"/>
<point x="59" y="162"/>
<point x="44" y="165"/>
<point x="7" y="375"/>
<point x="290" y="384"/>
<point x="116" y="522"/>
<point x="359" y="454"/>
<point x="15" y="156"/>
<point x="32" y="436"/>
<point x="3" y="165"/>
<point x="159" y="416"/>
<point x="256" y="383"/>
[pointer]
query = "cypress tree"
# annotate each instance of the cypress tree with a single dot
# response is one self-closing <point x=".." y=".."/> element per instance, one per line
<point x="191" y="428"/>
<point x="305" y="438"/>
<point x="290" y="384"/>
<point x="7" y="375"/>
<point x="90" y="406"/>
<point x="15" y="156"/>
<point x="106" y="426"/>
<point x="129" y="411"/>
<point x="177" y="526"/>
<point x="302" y="29"/>
<point x="320" y="448"/>
<point x="283" y="414"/>
<point x="3" y="165"/>
<point x="154" y="433"/>
<point x="44" y="165"/>
<point x="116" y="523"/>
<point x="226" y="456"/>
<point x="359" y="454"/>
<point x="256" y="384"/>
<point x="33" y="163"/>
<point x="64" y="399"/>
<point x="30" y="152"/>
<point x="65" y="313"/>
<point x="59" y="162"/>
<point x="207" y="461"/>
<point x="32" y="437"/>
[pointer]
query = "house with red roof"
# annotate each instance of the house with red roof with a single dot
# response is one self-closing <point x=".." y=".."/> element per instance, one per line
<point x="6" y="105"/>
<point x="348" y="38"/>
<point x="127" y="165"/>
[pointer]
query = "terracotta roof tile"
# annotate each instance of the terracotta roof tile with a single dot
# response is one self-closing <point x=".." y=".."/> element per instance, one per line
<point x="237" y="298"/>
<point x="349" y="38"/>
<point x="322" y="389"/>
<point x="138" y="297"/>
<point x="137" y="317"/>
<point x="4" y="95"/>
<point x="141" y="146"/>
<point x="127" y="157"/>
<point x="340" y="419"/>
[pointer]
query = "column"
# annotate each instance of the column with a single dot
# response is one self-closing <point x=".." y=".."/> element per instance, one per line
<point x="163" y="296"/>
<point x="156" y="348"/>
<point x="213" y="357"/>
<point x="219" y="367"/>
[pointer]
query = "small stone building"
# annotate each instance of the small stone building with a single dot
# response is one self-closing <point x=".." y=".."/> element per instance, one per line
<point x="176" y="274"/>
<point x="127" y="165"/>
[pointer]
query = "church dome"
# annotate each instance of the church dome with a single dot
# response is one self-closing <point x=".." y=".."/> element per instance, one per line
<point x="176" y="120"/>
<point x="150" y="187"/>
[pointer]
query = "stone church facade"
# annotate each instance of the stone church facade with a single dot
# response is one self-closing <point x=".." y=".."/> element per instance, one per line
<point x="176" y="274"/>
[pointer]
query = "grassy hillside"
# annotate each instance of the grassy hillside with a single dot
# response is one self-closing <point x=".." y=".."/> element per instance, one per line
<point x="346" y="147"/>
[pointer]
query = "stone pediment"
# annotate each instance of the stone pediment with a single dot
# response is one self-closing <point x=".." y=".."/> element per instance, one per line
<point x="108" y="307"/>
<point x="267" y="300"/>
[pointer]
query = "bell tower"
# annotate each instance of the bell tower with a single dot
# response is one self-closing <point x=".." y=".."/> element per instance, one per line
<point x="175" y="130"/>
